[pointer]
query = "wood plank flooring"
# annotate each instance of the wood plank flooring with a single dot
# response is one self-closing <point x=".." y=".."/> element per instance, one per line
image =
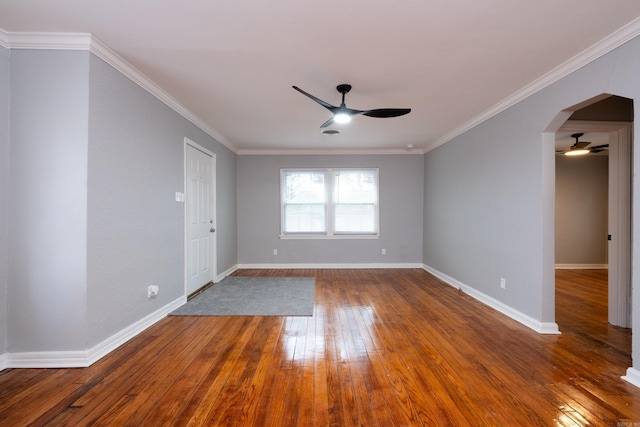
<point x="383" y="348"/>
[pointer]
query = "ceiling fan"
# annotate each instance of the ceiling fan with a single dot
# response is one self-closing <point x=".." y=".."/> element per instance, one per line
<point x="342" y="114"/>
<point x="580" y="147"/>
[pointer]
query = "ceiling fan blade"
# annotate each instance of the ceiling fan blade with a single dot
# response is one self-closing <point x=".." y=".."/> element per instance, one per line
<point x="386" y="112"/>
<point x="597" y="150"/>
<point x="598" y="147"/>
<point x="581" y="144"/>
<point x="318" y="100"/>
<point x="327" y="123"/>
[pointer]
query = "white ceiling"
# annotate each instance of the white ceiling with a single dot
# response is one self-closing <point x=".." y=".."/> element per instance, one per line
<point x="232" y="63"/>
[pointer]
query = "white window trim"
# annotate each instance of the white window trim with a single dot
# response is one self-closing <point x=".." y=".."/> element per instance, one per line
<point x="329" y="186"/>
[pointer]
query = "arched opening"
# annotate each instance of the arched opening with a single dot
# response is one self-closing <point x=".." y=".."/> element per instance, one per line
<point x="592" y="219"/>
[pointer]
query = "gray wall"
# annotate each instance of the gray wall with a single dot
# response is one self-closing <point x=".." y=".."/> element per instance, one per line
<point x="490" y="192"/>
<point x="95" y="164"/>
<point x="581" y="210"/>
<point x="135" y="226"/>
<point x="48" y="200"/>
<point x="400" y="195"/>
<point x="4" y="183"/>
<point x="135" y="238"/>
<point x="482" y="208"/>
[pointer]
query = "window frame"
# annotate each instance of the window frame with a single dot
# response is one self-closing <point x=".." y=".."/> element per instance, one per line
<point x="329" y="205"/>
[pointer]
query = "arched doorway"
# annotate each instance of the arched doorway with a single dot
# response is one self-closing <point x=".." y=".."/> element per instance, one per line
<point x="612" y="116"/>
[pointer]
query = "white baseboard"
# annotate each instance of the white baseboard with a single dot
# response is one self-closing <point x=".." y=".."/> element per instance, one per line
<point x="115" y="341"/>
<point x="540" y="327"/>
<point x="84" y="358"/>
<point x="582" y="266"/>
<point x="226" y="273"/>
<point x="633" y="377"/>
<point x="331" y="266"/>
<point x="3" y="361"/>
<point x="49" y="359"/>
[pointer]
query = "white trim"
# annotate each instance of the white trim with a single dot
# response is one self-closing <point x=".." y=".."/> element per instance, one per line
<point x="84" y="358"/>
<point x="632" y="377"/>
<point x="620" y="226"/>
<point x="320" y="266"/>
<point x="329" y="236"/>
<point x="4" y="39"/>
<point x="540" y="327"/>
<point x="3" y="361"/>
<point x="86" y="41"/>
<point x="116" y="340"/>
<point x="604" y="46"/>
<point x="49" y="41"/>
<point x="582" y="266"/>
<point x="49" y="359"/>
<point x="226" y="273"/>
<point x="326" y="151"/>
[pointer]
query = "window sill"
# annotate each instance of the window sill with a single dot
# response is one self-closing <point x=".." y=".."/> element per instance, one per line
<point x="325" y="237"/>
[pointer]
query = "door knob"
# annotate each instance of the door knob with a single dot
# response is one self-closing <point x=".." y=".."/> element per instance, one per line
<point x="212" y="230"/>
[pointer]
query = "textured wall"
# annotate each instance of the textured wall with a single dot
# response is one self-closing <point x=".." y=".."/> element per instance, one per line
<point x="400" y="194"/>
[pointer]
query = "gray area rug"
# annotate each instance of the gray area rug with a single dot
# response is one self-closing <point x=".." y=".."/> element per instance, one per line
<point x="253" y="296"/>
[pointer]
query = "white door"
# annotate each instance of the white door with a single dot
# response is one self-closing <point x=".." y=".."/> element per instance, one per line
<point x="619" y="298"/>
<point x="200" y="220"/>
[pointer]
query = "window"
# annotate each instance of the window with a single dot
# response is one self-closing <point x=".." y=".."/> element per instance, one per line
<point x="329" y="202"/>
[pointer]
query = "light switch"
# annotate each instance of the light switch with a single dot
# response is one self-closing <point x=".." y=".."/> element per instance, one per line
<point x="179" y="197"/>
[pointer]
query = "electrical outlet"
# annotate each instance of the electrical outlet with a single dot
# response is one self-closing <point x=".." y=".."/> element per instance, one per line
<point x="152" y="292"/>
<point x="275" y="252"/>
<point x="503" y="283"/>
<point x="384" y="251"/>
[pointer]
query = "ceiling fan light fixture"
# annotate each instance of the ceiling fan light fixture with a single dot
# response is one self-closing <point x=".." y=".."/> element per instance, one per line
<point x="342" y="118"/>
<point x="342" y="114"/>
<point x="577" y="152"/>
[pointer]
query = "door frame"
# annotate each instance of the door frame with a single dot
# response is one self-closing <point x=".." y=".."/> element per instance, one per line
<point x="619" y="213"/>
<point x="214" y="249"/>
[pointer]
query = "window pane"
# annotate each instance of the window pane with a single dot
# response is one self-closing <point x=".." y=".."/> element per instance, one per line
<point x="355" y="187"/>
<point x="348" y="206"/>
<point x="304" y="202"/>
<point x="304" y="218"/>
<point x="304" y="187"/>
<point x="355" y="218"/>
<point x="355" y="197"/>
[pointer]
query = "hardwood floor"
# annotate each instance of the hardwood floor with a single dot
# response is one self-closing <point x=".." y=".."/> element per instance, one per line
<point x="383" y="348"/>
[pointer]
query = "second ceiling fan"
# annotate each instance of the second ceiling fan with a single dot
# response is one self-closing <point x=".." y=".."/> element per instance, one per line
<point x="580" y="147"/>
<point x="343" y="114"/>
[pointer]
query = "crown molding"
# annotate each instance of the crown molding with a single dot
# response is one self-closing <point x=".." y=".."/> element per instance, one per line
<point x="107" y="54"/>
<point x="327" y="151"/>
<point x="604" y="46"/>
<point x="86" y="41"/>
<point x="4" y="39"/>
<point x="49" y="41"/>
